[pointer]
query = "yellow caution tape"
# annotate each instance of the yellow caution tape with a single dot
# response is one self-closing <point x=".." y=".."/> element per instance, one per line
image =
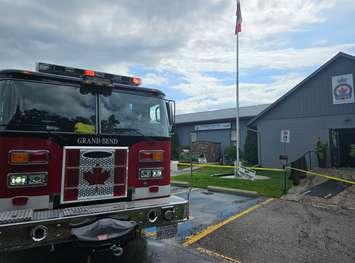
<point x="83" y="128"/>
<point x="322" y="175"/>
<point x="231" y="166"/>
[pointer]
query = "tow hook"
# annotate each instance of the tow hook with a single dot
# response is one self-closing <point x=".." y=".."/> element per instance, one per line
<point x="117" y="250"/>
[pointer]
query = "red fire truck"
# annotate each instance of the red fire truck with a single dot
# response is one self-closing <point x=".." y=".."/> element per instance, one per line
<point x="84" y="157"/>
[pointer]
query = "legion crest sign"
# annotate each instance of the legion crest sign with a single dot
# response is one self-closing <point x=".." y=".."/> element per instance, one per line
<point x="343" y="89"/>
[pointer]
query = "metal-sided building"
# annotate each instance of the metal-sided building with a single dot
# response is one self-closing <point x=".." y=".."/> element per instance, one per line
<point x="216" y="126"/>
<point x="321" y="107"/>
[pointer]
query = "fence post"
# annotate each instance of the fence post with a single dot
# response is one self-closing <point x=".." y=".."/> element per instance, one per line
<point x="284" y="183"/>
<point x="284" y="159"/>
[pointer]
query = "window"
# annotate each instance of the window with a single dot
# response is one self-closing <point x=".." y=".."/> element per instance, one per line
<point x="154" y="113"/>
<point x="193" y="136"/>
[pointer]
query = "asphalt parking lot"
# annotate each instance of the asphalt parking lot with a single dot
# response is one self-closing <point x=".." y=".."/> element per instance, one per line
<point x="206" y="209"/>
<point x="287" y="231"/>
<point x="231" y="228"/>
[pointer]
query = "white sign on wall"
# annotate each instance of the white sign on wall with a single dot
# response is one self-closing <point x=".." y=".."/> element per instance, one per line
<point x="213" y="126"/>
<point x="343" y="89"/>
<point x="285" y="136"/>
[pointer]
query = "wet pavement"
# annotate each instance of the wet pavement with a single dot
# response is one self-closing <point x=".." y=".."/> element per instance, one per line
<point x="140" y="250"/>
<point x="206" y="208"/>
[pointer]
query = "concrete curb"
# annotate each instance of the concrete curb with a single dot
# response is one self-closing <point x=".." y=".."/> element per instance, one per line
<point x="180" y="183"/>
<point x="233" y="191"/>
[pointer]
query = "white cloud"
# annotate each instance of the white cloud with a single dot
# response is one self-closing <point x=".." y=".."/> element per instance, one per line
<point x="154" y="79"/>
<point x="216" y="96"/>
<point x="212" y="48"/>
<point x="186" y="37"/>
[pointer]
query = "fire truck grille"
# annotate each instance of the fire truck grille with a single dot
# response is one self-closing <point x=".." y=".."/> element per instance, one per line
<point x="94" y="173"/>
<point x="96" y="181"/>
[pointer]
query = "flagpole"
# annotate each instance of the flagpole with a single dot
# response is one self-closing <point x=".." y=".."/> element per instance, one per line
<point x="237" y="108"/>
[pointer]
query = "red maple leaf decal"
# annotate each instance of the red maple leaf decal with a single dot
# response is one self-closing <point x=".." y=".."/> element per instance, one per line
<point x="96" y="176"/>
<point x="343" y="90"/>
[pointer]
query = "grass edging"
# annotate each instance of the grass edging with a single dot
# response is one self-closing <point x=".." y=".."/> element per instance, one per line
<point x="233" y="191"/>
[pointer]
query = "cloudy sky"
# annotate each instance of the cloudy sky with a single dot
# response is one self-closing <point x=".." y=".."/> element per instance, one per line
<point x="184" y="47"/>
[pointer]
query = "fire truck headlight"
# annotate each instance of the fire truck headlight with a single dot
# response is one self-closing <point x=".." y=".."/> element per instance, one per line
<point x="157" y="173"/>
<point x="17" y="180"/>
<point x="37" y="179"/>
<point x="150" y="173"/>
<point x="145" y="173"/>
<point x="27" y="179"/>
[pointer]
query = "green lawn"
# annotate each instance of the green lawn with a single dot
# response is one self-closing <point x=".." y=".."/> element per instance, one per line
<point x="202" y="178"/>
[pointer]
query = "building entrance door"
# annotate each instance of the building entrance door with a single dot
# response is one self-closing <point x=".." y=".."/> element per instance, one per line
<point x="342" y="147"/>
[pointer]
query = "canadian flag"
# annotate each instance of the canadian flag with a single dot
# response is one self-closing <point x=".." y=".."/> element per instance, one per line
<point x="238" y="24"/>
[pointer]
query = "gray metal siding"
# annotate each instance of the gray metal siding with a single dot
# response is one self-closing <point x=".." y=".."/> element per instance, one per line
<point x="304" y="133"/>
<point x="183" y="132"/>
<point x="314" y="98"/>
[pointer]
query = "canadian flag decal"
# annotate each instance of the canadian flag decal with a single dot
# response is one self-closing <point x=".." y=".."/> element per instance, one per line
<point x="97" y="175"/>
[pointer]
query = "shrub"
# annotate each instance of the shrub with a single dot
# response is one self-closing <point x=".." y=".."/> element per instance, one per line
<point x="321" y="150"/>
<point x="175" y="146"/>
<point x="230" y="152"/>
<point x="251" y="148"/>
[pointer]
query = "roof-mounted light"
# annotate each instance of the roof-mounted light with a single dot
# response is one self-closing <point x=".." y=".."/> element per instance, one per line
<point x="89" y="73"/>
<point x="83" y="73"/>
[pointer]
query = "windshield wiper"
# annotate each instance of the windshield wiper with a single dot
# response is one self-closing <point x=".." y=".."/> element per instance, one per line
<point x="49" y="132"/>
<point x="137" y="131"/>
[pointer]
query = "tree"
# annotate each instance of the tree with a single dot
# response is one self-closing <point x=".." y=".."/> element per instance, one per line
<point x="175" y="146"/>
<point x="251" y="148"/>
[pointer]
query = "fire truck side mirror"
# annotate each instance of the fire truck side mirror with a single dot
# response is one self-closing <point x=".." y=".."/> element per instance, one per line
<point x="170" y="106"/>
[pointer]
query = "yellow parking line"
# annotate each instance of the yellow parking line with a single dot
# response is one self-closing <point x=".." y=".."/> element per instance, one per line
<point x="212" y="228"/>
<point x="150" y="234"/>
<point x="217" y="255"/>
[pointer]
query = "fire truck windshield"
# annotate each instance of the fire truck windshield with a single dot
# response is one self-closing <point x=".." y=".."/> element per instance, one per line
<point x="40" y="106"/>
<point x="37" y="106"/>
<point x="132" y="114"/>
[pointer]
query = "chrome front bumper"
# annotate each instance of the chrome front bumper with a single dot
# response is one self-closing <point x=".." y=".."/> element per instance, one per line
<point x="16" y="226"/>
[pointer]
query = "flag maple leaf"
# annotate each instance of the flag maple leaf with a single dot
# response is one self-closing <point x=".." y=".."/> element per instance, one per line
<point x="97" y="175"/>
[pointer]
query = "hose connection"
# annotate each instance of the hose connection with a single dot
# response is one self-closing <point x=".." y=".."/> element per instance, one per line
<point x="152" y="216"/>
<point x="117" y="250"/>
<point x="39" y="233"/>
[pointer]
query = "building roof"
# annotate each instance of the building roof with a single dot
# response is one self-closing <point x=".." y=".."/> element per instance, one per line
<point x="244" y="112"/>
<point x="290" y="92"/>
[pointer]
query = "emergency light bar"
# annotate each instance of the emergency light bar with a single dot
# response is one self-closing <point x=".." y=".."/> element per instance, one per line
<point x="82" y="73"/>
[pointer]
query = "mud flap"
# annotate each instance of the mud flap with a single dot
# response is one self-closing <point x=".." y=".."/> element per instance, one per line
<point x="104" y="232"/>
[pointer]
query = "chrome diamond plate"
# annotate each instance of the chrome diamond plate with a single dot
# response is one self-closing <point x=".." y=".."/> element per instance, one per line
<point x="72" y="211"/>
<point x="16" y="216"/>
